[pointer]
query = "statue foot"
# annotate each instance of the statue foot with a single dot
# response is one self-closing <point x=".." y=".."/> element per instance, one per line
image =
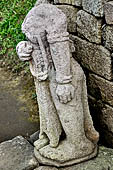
<point x="54" y="143"/>
<point x="40" y="143"/>
<point x="92" y="135"/>
<point x="67" y="151"/>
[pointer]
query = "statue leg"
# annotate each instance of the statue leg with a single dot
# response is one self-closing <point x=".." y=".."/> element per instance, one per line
<point x="76" y="144"/>
<point x="90" y="131"/>
<point x="50" y="128"/>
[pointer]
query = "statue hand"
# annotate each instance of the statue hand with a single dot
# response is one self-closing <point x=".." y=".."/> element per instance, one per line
<point x="24" y="50"/>
<point x="65" y="92"/>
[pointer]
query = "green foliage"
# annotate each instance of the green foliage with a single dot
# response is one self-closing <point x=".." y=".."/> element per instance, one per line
<point x="12" y="14"/>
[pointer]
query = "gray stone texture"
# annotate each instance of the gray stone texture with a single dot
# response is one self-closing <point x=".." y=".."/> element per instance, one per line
<point x="89" y="27"/>
<point x="103" y="119"/>
<point x="63" y="103"/>
<point x="108" y="9"/>
<point x="17" y="154"/>
<point x="70" y="2"/>
<point x="71" y="13"/>
<point x="95" y="7"/>
<point x="94" y="57"/>
<point x="100" y="88"/>
<point x="108" y="37"/>
<point x="104" y="161"/>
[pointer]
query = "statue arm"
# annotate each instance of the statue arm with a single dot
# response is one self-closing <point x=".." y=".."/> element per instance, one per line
<point x="60" y="53"/>
<point x="24" y="50"/>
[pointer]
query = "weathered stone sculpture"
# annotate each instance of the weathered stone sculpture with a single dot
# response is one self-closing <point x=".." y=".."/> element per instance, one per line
<point x="67" y="135"/>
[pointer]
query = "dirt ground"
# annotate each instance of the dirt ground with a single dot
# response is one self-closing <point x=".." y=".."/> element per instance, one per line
<point x="18" y="112"/>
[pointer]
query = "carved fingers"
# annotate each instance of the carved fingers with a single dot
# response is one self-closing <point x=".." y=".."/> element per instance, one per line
<point x="24" y="50"/>
<point x="65" y="92"/>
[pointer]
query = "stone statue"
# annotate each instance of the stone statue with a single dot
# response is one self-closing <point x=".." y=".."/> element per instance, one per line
<point x="67" y="135"/>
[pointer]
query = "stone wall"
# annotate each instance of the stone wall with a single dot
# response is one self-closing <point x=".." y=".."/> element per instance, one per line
<point x="90" y="24"/>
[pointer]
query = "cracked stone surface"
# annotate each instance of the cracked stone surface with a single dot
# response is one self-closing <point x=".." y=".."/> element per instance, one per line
<point x="95" y="7"/>
<point x="17" y="154"/>
<point x="71" y="13"/>
<point x="108" y="37"/>
<point x="95" y="58"/>
<point x="100" y="88"/>
<point x="89" y="27"/>
<point x="108" y="8"/>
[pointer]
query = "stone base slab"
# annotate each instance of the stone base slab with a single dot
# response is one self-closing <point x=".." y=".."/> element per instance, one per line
<point x="47" y="161"/>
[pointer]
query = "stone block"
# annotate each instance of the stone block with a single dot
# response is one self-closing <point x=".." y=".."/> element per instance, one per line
<point x="108" y="9"/>
<point x="100" y="88"/>
<point x="95" y="7"/>
<point x="71" y="14"/>
<point x="89" y="27"/>
<point x="17" y="154"/>
<point x="103" y="120"/>
<point x="108" y="37"/>
<point x="70" y="2"/>
<point x="107" y="118"/>
<point x="94" y="57"/>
